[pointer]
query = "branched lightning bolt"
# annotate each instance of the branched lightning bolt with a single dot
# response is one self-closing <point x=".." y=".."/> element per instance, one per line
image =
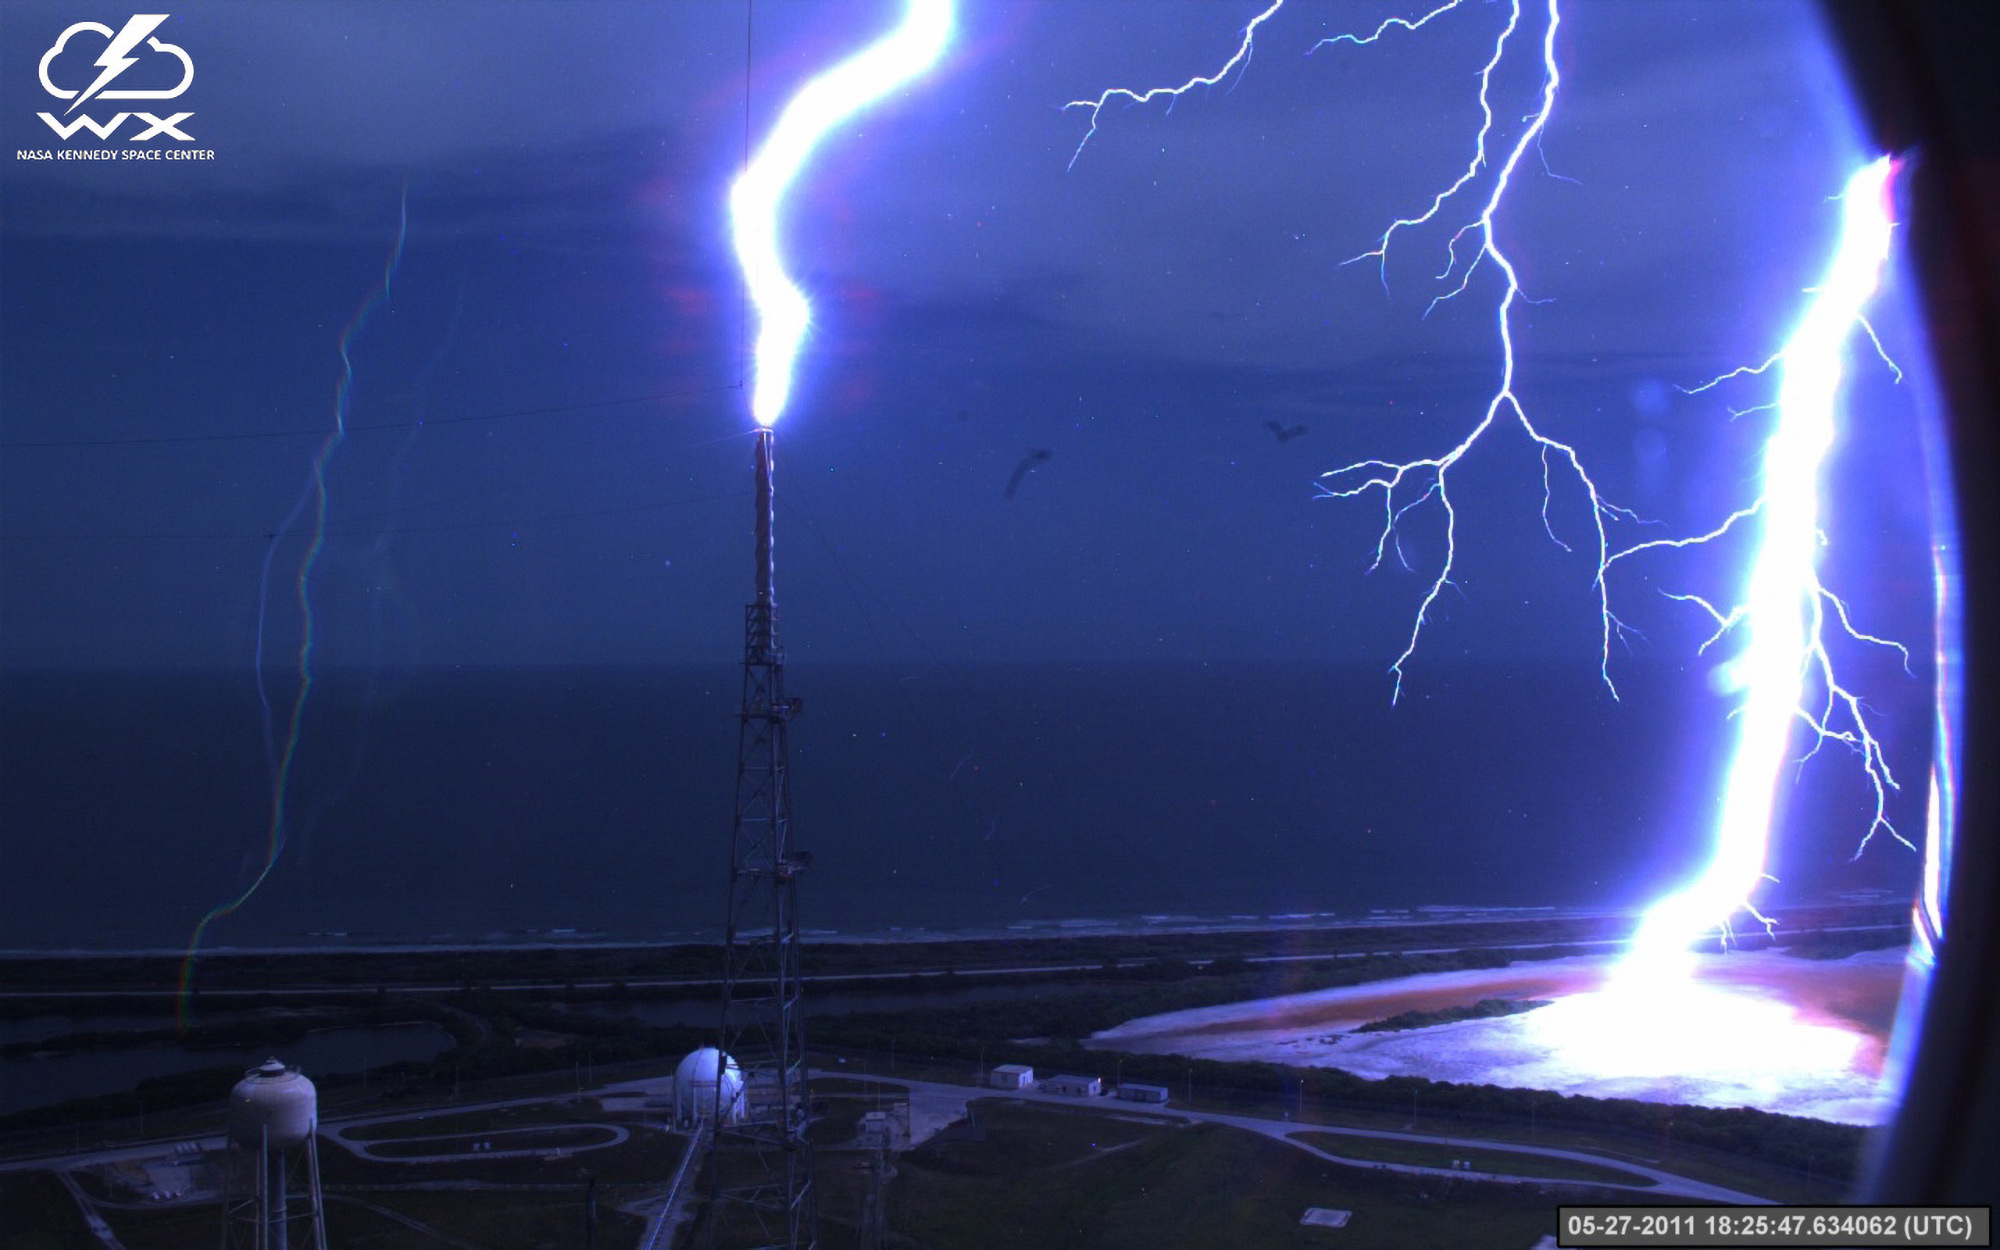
<point x="114" y="60"/>
<point x="1388" y="24"/>
<point x="1783" y="616"/>
<point x="282" y="757"/>
<point x="1785" y="610"/>
<point x="1482" y="185"/>
<point x="1241" y="59"/>
<point x="820" y="106"/>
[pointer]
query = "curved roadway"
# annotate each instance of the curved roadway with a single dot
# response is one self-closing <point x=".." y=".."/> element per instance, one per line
<point x="1283" y="1130"/>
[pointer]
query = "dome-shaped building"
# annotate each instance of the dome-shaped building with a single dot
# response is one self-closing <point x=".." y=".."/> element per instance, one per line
<point x="697" y="1093"/>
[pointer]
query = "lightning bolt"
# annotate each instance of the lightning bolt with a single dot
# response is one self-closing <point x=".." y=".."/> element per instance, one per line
<point x="1481" y="188"/>
<point x="114" y="60"/>
<point x="1240" y="60"/>
<point x="824" y="103"/>
<point x="1408" y="485"/>
<point x="1783" y="617"/>
<point x="1786" y="613"/>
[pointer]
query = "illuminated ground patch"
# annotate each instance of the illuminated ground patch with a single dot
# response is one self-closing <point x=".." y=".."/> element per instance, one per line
<point x="1803" y="1037"/>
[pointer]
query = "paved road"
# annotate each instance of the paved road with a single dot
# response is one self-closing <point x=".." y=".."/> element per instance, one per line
<point x="941" y="1103"/>
<point x="333" y="1128"/>
<point x="98" y="1228"/>
<point x="1283" y="1130"/>
<point x="367" y="1149"/>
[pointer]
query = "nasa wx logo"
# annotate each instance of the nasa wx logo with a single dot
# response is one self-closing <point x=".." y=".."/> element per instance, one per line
<point x="90" y="64"/>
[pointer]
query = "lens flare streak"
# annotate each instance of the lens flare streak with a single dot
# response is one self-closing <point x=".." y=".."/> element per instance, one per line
<point x="820" y="106"/>
<point x="282" y="757"/>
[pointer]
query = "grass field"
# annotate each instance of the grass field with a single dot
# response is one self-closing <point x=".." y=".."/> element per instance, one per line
<point x="40" y="1215"/>
<point x="411" y="1221"/>
<point x="524" y="1203"/>
<point x="1060" y="1180"/>
<point x="1734" y="1172"/>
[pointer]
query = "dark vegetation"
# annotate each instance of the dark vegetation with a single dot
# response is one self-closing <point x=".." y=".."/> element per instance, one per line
<point x="1034" y="1176"/>
<point x="1820" y="945"/>
<point x="446" y="969"/>
<point x="1484" y="1009"/>
<point x="1121" y="994"/>
<point x="575" y="1026"/>
<point x="981" y="1031"/>
<point x="40" y="1214"/>
<point x="276" y="1027"/>
<point x="484" y="1028"/>
<point x="530" y="1202"/>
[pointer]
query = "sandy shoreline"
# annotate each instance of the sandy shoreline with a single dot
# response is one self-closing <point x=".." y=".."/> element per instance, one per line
<point x="1803" y="1037"/>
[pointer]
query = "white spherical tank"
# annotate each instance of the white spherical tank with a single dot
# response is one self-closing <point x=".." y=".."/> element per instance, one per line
<point x="272" y="1105"/>
<point x="695" y="1091"/>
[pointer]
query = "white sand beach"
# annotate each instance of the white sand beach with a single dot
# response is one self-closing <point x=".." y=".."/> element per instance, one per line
<point x="1758" y="1029"/>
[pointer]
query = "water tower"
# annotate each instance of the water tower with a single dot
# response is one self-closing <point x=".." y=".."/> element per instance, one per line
<point x="271" y="1169"/>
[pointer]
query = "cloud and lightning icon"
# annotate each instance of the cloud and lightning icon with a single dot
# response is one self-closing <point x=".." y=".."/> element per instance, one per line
<point x="116" y="59"/>
<point x="1782" y="672"/>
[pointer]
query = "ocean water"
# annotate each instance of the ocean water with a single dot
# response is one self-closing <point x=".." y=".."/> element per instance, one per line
<point x="544" y="804"/>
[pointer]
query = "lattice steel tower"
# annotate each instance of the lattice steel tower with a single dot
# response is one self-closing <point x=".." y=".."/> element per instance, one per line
<point x="760" y="1165"/>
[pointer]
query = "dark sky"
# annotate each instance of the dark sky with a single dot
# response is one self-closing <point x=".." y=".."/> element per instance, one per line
<point x="549" y="460"/>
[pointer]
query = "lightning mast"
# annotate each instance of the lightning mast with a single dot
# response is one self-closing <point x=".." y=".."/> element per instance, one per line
<point x="760" y="1164"/>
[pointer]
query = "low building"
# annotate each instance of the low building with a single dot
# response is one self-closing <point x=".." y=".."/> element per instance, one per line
<point x="1075" y="1086"/>
<point x="1011" y="1076"/>
<point x="1131" y="1092"/>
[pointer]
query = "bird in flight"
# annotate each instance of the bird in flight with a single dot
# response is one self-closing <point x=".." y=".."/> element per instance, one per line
<point x="1285" y="433"/>
<point x="1039" y="455"/>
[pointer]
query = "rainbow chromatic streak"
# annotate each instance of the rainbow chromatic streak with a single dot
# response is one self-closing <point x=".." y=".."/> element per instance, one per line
<point x="1783" y="615"/>
<point x="281" y="757"/>
<point x="822" y="104"/>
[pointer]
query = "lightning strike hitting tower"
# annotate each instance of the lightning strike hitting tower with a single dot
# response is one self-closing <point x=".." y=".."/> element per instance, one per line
<point x="761" y="1165"/>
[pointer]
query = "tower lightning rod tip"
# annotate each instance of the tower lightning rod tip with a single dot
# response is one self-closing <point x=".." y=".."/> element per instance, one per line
<point x="765" y="506"/>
